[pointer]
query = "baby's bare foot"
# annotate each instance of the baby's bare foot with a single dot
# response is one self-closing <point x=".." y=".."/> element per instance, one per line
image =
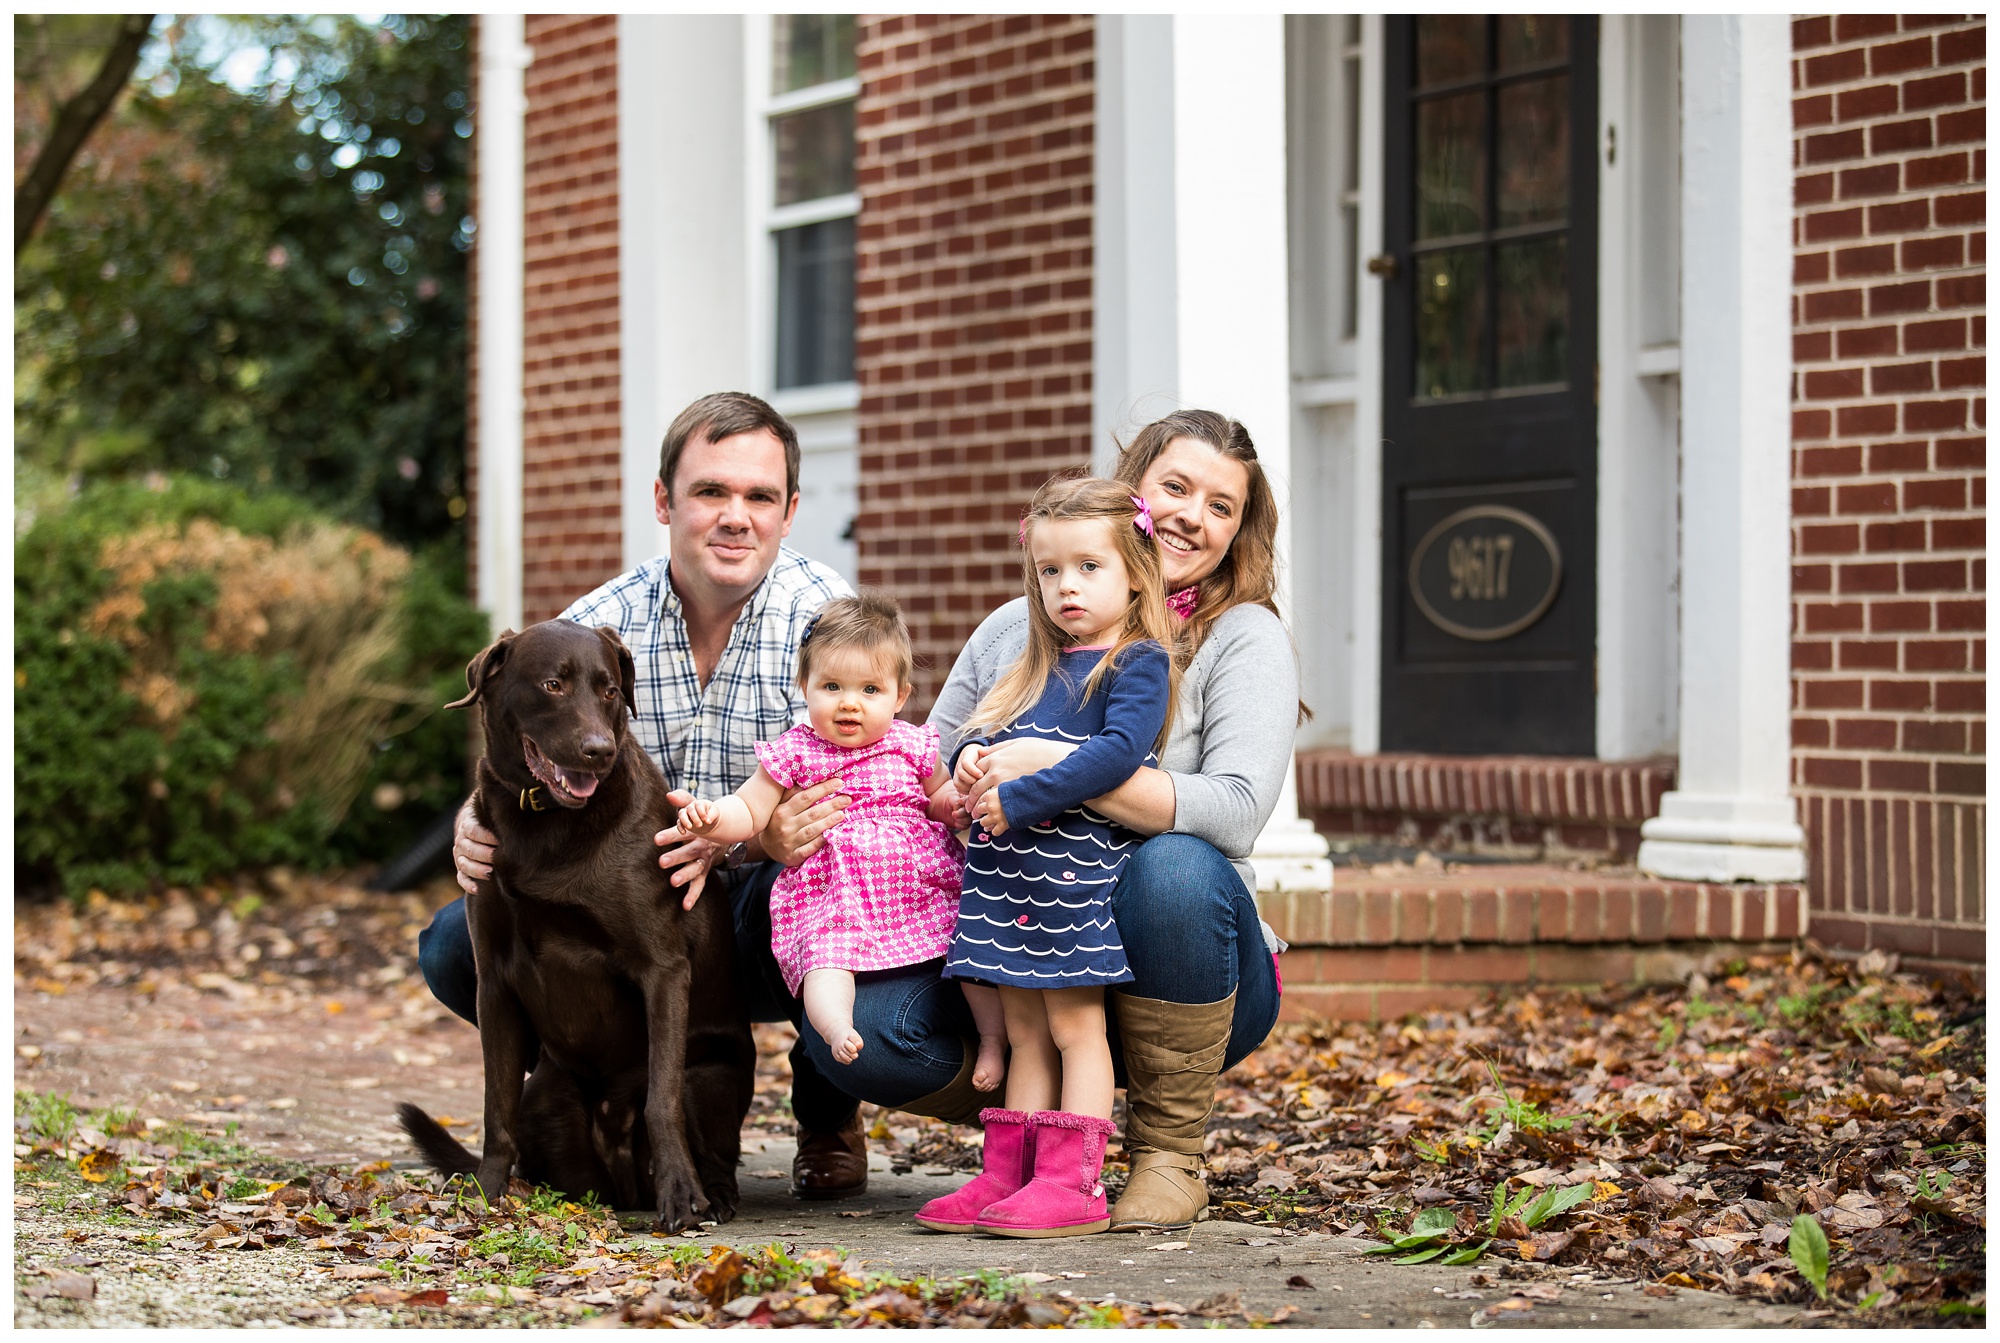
<point x="848" y="1047"/>
<point x="989" y="1069"/>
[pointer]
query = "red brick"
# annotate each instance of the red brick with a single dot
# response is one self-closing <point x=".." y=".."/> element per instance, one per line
<point x="1961" y="291"/>
<point x="1898" y="379"/>
<point x="1961" y="616"/>
<point x="1395" y="1004"/>
<point x="1835" y="383"/>
<point x="1934" y="576"/>
<point x="1899" y="617"/>
<point x="1927" y="736"/>
<point x="1859" y="27"/>
<point x="1823" y="772"/>
<point x="1866" y="420"/>
<point x="1934" y="252"/>
<point x="1894" y="58"/>
<point x="1899" y="137"/>
<point x="1938" y="171"/>
<point x="1946" y="655"/>
<point x="1902" y="534"/>
<point x="1811" y="346"/>
<point x="1877" y="100"/>
<point x="1838" y="304"/>
<point x="1829" y="225"/>
<point x="1959" y="128"/>
<point x="1899" y="776"/>
<point x="1306" y="1002"/>
<point x="1874" y="179"/>
<point x="1810" y="268"/>
<point x="1812" y="32"/>
<point x="1933" y="416"/>
<point x="1809" y="733"/>
<point x="1814" y="111"/>
<point x="1936" y="91"/>
<point x="1957" y="48"/>
<point x="1945" y="335"/>
<point x="1961" y="780"/>
<point x="1578" y="965"/>
<point x="1967" y="208"/>
<point x="1838" y="67"/>
<point x="1944" y="492"/>
<point x="1834" y="694"/>
<point x="1966" y="373"/>
<point x="1899" y="457"/>
<point x="1884" y="299"/>
<point x="1479" y="965"/>
<point x="1958" y="534"/>
<point x="1835" y="146"/>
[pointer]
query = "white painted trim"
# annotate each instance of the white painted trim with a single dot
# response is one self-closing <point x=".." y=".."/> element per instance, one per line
<point x="1365" y="678"/>
<point x="817" y="95"/>
<point x="827" y="396"/>
<point x="1637" y="139"/>
<point x="1315" y="393"/>
<point x="1658" y="361"/>
<point x="682" y="271"/>
<point x="760" y="291"/>
<point x="499" y="269"/>
<point x="812" y="212"/>
<point x="1233" y="293"/>
<point x="1135" y="347"/>
<point x="1733" y="817"/>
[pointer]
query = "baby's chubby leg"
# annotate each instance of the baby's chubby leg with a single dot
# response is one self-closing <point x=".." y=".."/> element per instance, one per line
<point x="829" y="999"/>
<point x="991" y="1019"/>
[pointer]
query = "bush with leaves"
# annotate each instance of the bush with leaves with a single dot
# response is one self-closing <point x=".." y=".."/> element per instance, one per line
<point x="205" y="680"/>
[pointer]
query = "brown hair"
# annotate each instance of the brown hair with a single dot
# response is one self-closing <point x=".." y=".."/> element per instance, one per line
<point x="1067" y="498"/>
<point x="721" y="415"/>
<point x="1249" y="570"/>
<point x="871" y="622"/>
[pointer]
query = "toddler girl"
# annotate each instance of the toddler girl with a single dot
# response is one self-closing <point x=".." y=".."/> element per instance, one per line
<point x="1035" y="918"/>
<point x="882" y="891"/>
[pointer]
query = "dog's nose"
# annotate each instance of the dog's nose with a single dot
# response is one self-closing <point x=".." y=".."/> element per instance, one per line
<point x="598" y="747"/>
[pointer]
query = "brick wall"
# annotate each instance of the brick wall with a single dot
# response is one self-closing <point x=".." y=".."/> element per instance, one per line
<point x="1889" y="483"/>
<point x="972" y="303"/>
<point x="571" y="531"/>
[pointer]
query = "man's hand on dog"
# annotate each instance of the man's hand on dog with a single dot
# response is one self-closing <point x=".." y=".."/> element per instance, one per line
<point x="472" y="850"/>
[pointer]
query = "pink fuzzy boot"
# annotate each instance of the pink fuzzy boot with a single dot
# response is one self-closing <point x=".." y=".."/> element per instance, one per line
<point x="1065" y="1197"/>
<point x="1010" y="1145"/>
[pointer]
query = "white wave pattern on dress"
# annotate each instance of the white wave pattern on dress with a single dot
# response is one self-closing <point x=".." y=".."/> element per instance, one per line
<point x="1099" y="924"/>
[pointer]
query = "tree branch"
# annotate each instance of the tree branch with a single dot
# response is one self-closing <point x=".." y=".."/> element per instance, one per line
<point x="74" y="123"/>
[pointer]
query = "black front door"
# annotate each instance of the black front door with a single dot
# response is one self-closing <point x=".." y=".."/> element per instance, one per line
<point x="1489" y="459"/>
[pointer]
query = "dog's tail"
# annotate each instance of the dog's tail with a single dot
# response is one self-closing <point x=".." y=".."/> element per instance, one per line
<point x="445" y="1153"/>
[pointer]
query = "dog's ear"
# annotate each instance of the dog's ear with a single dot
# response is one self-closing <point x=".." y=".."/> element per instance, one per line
<point x="482" y="669"/>
<point x="628" y="675"/>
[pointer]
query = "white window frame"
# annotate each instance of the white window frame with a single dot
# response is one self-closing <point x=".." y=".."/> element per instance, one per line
<point x="767" y="218"/>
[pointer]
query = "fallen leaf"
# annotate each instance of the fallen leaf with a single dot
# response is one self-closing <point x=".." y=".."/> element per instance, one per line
<point x="358" y="1272"/>
<point x="1169" y="1245"/>
<point x="75" y="1286"/>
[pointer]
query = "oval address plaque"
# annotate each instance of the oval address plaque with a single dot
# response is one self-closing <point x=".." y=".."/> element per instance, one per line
<point x="1486" y="572"/>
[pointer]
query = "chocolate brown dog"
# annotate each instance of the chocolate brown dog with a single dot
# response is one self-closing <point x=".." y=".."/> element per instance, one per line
<point x="624" y="1006"/>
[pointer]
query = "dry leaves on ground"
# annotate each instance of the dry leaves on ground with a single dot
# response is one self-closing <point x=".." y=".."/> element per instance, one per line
<point x="1670" y="1134"/>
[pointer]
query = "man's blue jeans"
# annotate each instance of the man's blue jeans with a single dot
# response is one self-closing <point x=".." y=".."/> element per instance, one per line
<point x="1190" y="931"/>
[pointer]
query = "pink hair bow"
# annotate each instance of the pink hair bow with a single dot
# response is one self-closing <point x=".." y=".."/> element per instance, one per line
<point x="1144" y="519"/>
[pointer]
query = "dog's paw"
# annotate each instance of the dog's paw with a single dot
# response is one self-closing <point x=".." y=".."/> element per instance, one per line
<point x="681" y="1204"/>
<point x="493" y="1179"/>
<point x="722" y="1201"/>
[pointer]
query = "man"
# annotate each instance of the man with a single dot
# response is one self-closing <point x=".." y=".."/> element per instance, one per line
<point x="714" y="629"/>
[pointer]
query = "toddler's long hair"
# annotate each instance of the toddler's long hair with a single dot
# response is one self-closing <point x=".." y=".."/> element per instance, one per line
<point x="1072" y="498"/>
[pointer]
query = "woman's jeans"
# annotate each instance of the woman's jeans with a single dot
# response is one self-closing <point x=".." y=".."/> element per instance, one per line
<point x="1190" y="931"/>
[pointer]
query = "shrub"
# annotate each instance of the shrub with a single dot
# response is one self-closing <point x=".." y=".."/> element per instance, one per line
<point x="206" y="680"/>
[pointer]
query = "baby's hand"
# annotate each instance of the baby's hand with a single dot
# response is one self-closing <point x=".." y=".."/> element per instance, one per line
<point x="700" y="817"/>
<point x="989" y="813"/>
<point x="971" y="765"/>
<point x="947" y="808"/>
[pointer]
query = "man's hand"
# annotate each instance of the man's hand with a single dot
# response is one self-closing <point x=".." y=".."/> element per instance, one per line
<point x="971" y="767"/>
<point x="472" y="847"/>
<point x="990" y="815"/>
<point x="799" y="824"/>
<point x="689" y="855"/>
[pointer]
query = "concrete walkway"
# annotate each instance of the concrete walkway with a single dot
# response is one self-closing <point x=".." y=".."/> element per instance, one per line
<point x="1324" y="1278"/>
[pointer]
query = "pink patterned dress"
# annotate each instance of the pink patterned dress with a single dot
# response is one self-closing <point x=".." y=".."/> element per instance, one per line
<point x="883" y="891"/>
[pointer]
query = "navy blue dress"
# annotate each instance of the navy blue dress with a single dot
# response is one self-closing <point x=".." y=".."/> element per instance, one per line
<point x="1035" y="912"/>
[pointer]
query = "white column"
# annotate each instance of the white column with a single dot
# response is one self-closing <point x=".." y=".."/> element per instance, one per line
<point x="1232" y="299"/>
<point x="682" y="284"/>
<point x="1733" y="817"/>
<point x="498" y="268"/>
<point x="1134" y="360"/>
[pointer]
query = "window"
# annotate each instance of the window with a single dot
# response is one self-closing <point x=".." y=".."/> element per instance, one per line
<point x="810" y="119"/>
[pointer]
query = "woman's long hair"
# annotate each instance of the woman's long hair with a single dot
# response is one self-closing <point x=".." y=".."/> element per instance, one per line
<point x="1071" y="498"/>
<point x="1249" y="570"/>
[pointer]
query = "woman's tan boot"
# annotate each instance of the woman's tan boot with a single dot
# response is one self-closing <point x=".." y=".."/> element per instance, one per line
<point x="1173" y="1054"/>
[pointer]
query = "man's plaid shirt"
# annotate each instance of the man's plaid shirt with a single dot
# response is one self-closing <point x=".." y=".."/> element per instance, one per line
<point x="706" y="741"/>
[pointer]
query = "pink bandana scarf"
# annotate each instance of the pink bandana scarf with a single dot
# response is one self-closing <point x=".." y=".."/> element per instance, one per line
<point x="1182" y="603"/>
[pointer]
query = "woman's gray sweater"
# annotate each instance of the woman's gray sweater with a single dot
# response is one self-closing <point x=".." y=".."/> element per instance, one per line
<point x="1231" y="740"/>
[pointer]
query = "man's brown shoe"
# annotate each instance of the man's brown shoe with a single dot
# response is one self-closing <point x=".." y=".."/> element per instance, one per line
<point x="831" y="1165"/>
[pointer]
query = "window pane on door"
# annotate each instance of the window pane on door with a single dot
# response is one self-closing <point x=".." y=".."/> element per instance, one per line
<point x="1532" y="39"/>
<point x="1531" y="312"/>
<point x="1451" y="165"/>
<point x="814" y="152"/>
<point x="816" y="304"/>
<point x="809" y="49"/>
<point x="1534" y="151"/>
<point x="1450" y="47"/>
<point x="1451" y="314"/>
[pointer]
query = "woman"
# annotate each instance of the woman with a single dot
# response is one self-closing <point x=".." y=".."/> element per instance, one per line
<point x="1205" y="989"/>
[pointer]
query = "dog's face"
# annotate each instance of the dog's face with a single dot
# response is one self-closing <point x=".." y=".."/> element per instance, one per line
<point x="559" y="694"/>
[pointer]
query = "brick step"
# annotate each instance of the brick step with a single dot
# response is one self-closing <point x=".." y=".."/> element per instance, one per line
<point x="1522" y="807"/>
<point x="1378" y="946"/>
